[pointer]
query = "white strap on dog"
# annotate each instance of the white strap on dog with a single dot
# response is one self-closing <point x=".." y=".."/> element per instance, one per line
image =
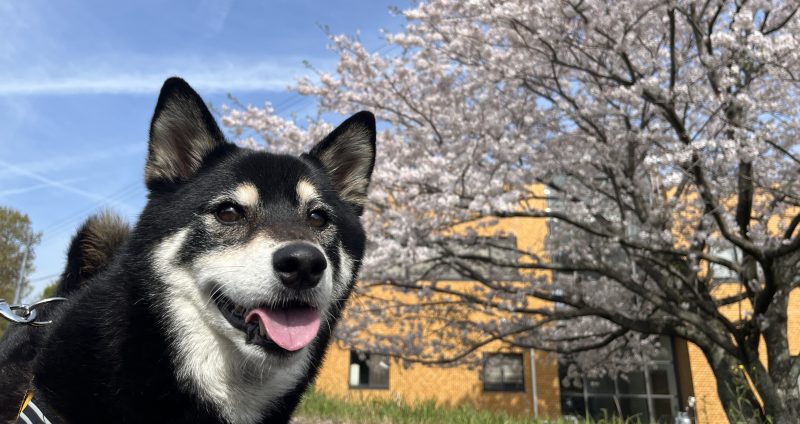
<point x="32" y="415"/>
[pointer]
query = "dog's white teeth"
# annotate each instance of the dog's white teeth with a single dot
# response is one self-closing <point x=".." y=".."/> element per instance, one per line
<point x="261" y="329"/>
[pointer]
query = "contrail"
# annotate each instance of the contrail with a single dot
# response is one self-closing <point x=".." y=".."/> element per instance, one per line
<point x="59" y="185"/>
<point x="56" y="163"/>
<point x="225" y="77"/>
<point x="21" y="190"/>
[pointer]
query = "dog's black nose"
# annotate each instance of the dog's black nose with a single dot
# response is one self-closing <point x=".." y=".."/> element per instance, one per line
<point x="299" y="265"/>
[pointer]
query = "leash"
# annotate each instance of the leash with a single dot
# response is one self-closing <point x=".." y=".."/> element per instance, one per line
<point x="26" y="314"/>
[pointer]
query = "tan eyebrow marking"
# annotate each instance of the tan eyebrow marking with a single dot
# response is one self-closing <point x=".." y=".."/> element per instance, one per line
<point x="246" y="194"/>
<point x="306" y="192"/>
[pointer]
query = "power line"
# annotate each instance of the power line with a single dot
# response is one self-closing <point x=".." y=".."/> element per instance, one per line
<point x="288" y="99"/>
<point x="303" y="101"/>
<point x="125" y="193"/>
<point x="46" y="277"/>
<point x="70" y="222"/>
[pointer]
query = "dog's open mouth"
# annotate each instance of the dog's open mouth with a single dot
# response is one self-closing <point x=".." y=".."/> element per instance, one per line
<point x="289" y="327"/>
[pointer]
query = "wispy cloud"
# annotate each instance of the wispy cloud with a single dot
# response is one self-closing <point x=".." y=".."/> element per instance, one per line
<point x="80" y="161"/>
<point x="36" y="58"/>
<point x="61" y="185"/>
<point x="23" y="190"/>
<point x="214" y="13"/>
<point x="226" y="75"/>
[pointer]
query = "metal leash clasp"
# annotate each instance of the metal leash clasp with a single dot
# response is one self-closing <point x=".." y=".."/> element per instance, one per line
<point x="26" y="314"/>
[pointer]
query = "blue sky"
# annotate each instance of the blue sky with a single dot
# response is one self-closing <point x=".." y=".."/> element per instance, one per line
<point x="79" y="80"/>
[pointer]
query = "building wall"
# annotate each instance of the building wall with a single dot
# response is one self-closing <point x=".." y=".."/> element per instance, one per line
<point x="548" y="385"/>
<point x="453" y="386"/>
<point x="461" y="384"/>
<point x="448" y="386"/>
<point x="458" y="385"/>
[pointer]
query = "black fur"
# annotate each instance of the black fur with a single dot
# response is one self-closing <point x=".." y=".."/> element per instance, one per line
<point x="109" y="357"/>
<point x="90" y="252"/>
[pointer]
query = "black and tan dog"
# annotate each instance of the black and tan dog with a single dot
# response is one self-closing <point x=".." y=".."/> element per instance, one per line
<point x="219" y="306"/>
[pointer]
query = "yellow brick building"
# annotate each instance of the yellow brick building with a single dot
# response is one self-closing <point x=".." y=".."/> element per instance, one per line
<point x="510" y="381"/>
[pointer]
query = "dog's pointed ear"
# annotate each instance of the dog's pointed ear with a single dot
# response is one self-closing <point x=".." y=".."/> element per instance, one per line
<point x="182" y="134"/>
<point x="348" y="154"/>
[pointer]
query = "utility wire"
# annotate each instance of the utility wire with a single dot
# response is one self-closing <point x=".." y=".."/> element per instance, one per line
<point x="125" y="193"/>
<point x="45" y="277"/>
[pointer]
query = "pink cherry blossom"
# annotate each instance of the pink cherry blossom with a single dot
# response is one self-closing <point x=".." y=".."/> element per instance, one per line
<point x="664" y="134"/>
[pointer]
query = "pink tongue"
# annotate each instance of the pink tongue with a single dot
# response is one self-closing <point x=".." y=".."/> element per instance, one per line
<point x="291" y="329"/>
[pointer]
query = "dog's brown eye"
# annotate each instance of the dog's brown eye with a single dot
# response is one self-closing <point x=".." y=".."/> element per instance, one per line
<point x="317" y="218"/>
<point x="228" y="214"/>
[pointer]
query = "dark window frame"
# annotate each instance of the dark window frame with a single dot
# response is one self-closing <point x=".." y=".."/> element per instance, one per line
<point x="364" y="366"/>
<point x="503" y="386"/>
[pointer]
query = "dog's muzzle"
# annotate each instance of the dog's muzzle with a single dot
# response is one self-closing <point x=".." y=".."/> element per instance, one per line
<point x="290" y="325"/>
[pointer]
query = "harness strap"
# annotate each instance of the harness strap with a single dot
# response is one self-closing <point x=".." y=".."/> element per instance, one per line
<point x="25" y="401"/>
<point x="29" y="413"/>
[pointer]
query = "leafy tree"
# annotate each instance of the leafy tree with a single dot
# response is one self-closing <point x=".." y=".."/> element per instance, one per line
<point x="50" y="291"/>
<point x="16" y="237"/>
<point x="665" y="134"/>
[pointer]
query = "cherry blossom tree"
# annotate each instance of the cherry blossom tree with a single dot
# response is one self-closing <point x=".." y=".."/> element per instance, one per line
<point x="657" y="140"/>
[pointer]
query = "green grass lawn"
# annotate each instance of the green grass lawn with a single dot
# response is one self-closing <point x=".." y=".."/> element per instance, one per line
<point x="377" y="411"/>
<point x="317" y="407"/>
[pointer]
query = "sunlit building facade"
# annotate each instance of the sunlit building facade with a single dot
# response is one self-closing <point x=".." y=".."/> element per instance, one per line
<point x="532" y="383"/>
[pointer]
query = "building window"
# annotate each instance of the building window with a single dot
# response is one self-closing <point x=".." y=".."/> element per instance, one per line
<point x="649" y="395"/>
<point x="369" y="370"/>
<point x="503" y="372"/>
<point x="722" y="273"/>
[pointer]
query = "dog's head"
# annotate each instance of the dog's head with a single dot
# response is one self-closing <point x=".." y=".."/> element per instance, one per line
<point x="256" y="249"/>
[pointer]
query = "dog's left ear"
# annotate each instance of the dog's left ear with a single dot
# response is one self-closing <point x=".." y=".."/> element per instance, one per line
<point x="182" y="134"/>
<point x="348" y="154"/>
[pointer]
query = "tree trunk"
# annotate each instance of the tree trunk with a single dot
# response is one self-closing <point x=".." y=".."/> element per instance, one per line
<point x="789" y="393"/>
<point x="735" y="392"/>
<point x="740" y="398"/>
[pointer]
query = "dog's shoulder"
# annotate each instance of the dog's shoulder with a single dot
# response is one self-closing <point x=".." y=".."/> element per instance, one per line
<point x="91" y="250"/>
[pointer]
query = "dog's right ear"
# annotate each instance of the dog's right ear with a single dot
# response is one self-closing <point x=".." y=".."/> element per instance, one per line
<point x="182" y="134"/>
<point x="348" y="154"/>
